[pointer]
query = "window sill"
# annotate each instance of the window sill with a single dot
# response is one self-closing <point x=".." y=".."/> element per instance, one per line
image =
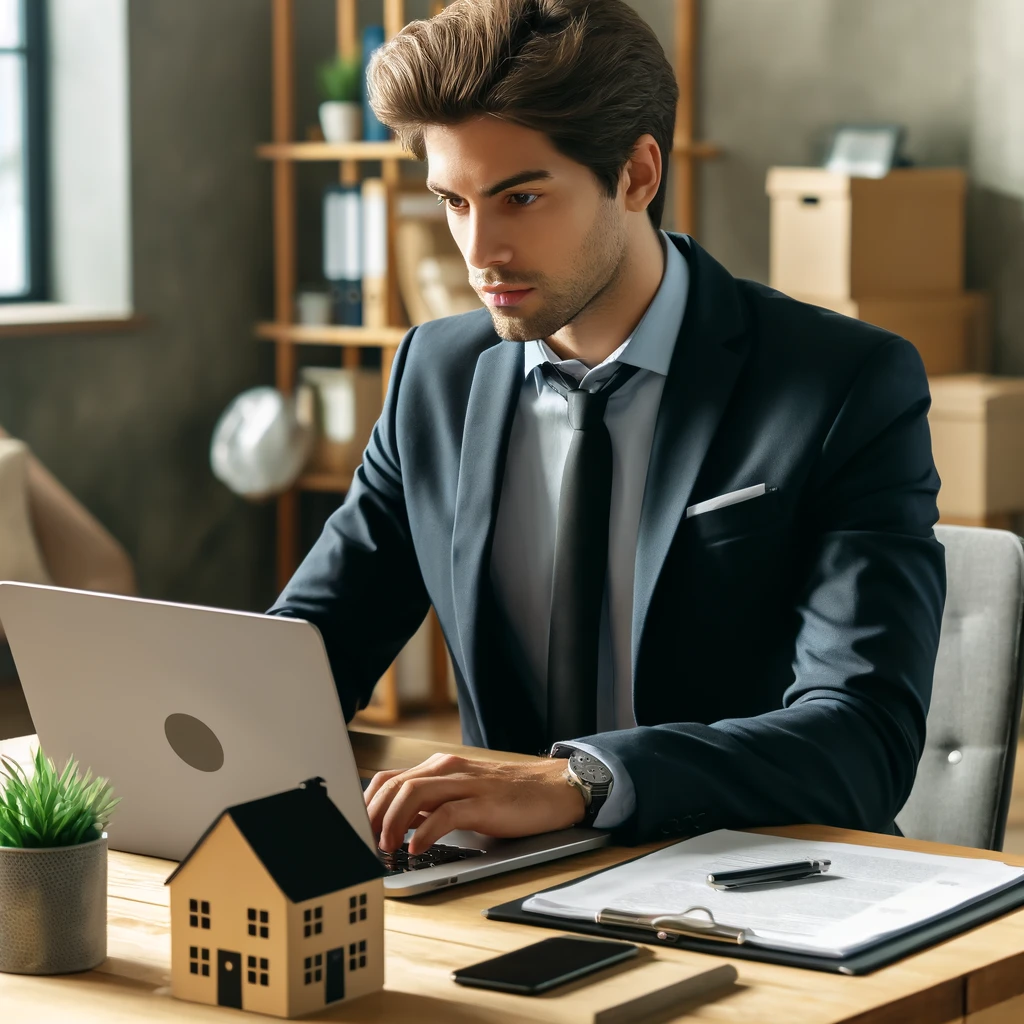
<point x="20" y="319"/>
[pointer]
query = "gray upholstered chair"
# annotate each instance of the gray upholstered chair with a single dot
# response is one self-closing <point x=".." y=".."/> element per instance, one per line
<point x="962" y="791"/>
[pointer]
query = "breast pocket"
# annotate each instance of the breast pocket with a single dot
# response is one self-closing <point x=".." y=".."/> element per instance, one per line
<point x="755" y="515"/>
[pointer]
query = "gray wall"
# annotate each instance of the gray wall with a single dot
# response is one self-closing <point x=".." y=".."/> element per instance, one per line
<point x="125" y="420"/>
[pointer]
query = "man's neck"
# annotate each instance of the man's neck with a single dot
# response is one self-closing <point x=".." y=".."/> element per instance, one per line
<point x="603" y="326"/>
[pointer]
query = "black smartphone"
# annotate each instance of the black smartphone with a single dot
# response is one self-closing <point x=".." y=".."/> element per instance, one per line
<point x="545" y="964"/>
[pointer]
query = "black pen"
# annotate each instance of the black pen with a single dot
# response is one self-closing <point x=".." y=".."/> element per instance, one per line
<point x="768" y="873"/>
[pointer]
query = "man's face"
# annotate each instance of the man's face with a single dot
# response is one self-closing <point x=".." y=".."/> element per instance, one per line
<point x="556" y="234"/>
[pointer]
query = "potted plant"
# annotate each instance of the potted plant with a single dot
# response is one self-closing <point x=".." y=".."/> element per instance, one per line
<point x="341" y="111"/>
<point x="53" y="868"/>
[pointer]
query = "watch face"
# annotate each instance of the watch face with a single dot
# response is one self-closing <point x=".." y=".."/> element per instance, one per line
<point x="589" y="769"/>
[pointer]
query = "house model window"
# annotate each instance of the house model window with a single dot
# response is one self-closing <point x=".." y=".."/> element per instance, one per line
<point x="199" y="914"/>
<point x="264" y="967"/>
<point x="352" y="908"/>
<point x="352" y="955"/>
<point x="313" y="918"/>
<point x="199" y="961"/>
<point x="264" y="923"/>
<point x="314" y="968"/>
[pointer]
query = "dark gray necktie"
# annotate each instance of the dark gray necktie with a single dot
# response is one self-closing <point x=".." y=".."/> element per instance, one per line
<point x="581" y="556"/>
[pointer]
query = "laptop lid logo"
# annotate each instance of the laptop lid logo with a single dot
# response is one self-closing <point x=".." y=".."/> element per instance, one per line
<point x="194" y="742"/>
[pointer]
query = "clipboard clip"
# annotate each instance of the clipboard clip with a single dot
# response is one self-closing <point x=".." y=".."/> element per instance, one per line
<point x="696" y="922"/>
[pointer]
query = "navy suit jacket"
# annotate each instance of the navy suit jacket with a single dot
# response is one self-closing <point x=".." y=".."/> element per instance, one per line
<point x="783" y="647"/>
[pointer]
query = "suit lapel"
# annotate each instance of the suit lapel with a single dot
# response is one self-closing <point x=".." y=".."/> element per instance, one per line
<point x="709" y="353"/>
<point x="502" y="706"/>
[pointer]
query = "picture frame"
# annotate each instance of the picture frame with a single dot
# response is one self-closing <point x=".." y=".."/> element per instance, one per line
<point x="864" y="150"/>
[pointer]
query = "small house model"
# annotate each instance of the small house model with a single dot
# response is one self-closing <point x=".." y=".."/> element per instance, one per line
<point x="278" y="908"/>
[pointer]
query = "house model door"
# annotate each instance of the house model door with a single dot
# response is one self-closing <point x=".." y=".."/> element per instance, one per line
<point x="229" y="978"/>
<point x="335" y="975"/>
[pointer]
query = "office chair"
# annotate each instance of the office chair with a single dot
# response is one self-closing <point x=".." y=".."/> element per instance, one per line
<point x="962" y="791"/>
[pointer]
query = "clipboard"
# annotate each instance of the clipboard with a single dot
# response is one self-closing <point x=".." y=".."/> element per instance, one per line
<point x="723" y="939"/>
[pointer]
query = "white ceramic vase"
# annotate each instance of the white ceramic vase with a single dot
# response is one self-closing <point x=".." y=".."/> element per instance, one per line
<point x="53" y="908"/>
<point x="341" y="121"/>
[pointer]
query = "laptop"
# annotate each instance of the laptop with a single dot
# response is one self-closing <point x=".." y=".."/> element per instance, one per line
<point x="188" y="710"/>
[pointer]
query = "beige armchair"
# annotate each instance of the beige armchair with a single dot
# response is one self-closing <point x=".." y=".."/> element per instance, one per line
<point x="58" y="542"/>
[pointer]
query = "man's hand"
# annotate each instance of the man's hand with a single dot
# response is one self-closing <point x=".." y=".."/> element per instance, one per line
<point x="446" y="792"/>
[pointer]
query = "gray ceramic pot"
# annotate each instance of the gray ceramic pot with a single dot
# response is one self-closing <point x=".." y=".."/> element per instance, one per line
<point x="53" y="908"/>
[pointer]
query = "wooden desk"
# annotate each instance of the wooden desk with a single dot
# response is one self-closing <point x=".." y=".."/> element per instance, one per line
<point x="976" y="978"/>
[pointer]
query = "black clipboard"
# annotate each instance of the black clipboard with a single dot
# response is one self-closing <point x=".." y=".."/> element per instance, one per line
<point x="872" y="958"/>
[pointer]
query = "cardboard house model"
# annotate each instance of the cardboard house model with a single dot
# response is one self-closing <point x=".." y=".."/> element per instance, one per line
<point x="279" y="908"/>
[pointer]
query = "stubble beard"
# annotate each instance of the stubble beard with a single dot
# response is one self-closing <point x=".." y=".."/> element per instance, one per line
<point x="600" y="264"/>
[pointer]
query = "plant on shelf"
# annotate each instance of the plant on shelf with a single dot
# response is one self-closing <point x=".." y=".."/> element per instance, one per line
<point x="341" y="112"/>
<point x="53" y="867"/>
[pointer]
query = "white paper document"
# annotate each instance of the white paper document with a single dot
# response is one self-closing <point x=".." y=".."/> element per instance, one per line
<point x="867" y="894"/>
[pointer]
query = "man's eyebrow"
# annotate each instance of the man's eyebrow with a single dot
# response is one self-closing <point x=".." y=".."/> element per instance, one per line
<point x="516" y="179"/>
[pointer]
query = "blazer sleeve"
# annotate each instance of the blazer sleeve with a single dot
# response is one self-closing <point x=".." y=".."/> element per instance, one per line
<point x="844" y="747"/>
<point x="360" y="584"/>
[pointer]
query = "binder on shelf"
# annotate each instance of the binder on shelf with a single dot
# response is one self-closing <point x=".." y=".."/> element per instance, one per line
<point x="375" y="252"/>
<point x="373" y="130"/>
<point x="343" y="253"/>
<point x="745" y="929"/>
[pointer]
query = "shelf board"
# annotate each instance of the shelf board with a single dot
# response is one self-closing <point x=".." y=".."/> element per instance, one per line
<point x="311" y="151"/>
<point x="326" y="482"/>
<point x="333" y="151"/>
<point x="304" y="334"/>
<point x="697" y="150"/>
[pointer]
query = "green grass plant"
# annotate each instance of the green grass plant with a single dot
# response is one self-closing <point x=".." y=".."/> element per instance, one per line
<point x="340" y="79"/>
<point x="51" y="808"/>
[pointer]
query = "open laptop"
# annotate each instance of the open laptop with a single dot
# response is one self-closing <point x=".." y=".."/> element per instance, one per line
<point x="188" y="710"/>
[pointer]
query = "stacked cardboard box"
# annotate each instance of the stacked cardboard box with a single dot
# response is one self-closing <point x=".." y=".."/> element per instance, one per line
<point x="891" y="251"/>
<point x="886" y="250"/>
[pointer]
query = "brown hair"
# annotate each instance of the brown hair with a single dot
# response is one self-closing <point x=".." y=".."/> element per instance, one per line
<point x="589" y="74"/>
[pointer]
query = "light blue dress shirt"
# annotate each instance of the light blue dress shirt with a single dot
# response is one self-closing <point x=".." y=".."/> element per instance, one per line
<point x="524" y="540"/>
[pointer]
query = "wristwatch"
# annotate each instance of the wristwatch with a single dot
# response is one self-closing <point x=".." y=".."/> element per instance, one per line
<point x="593" y="779"/>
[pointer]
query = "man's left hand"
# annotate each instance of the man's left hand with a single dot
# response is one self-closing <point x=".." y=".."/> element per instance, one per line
<point x="447" y="792"/>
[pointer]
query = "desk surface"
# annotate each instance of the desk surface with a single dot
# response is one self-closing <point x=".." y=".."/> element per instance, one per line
<point x="977" y="977"/>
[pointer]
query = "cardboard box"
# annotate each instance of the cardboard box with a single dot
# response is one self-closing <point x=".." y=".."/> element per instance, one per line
<point x="952" y="332"/>
<point x="850" y="238"/>
<point x="977" y="427"/>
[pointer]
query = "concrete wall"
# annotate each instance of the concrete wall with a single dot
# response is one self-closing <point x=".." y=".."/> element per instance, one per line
<point x="125" y="419"/>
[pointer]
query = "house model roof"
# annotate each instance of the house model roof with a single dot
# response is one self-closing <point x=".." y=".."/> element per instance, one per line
<point x="303" y="840"/>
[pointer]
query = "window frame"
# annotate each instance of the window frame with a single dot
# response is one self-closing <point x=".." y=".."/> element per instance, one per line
<point x="35" y="168"/>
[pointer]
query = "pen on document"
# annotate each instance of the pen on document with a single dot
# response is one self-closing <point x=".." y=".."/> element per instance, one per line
<point x="768" y="873"/>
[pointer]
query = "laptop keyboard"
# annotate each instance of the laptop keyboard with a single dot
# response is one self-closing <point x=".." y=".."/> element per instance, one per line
<point x="399" y="861"/>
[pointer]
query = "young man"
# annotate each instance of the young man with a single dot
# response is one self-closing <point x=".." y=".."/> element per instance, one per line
<point x="670" y="520"/>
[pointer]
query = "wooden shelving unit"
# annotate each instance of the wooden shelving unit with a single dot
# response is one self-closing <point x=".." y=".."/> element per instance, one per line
<point x="285" y="151"/>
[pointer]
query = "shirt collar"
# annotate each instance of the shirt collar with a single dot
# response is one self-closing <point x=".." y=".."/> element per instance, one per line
<point x="653" y="340"/>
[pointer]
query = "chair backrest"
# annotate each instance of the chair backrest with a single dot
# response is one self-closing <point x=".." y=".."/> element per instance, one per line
<point x="962" y="791"/>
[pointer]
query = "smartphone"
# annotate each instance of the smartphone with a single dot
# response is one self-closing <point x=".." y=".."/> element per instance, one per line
<point x="545" y="964"/>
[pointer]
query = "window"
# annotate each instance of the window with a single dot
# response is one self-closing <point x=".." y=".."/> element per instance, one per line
<point x="353" y="915"/>
<point x="264" y="919"/>
<point x="264" y="967"/>
<point x="352" y="955"/>
<point x="199" y="961"/>
<point x="22" y="140"/>
<point x="314" y="968"/>
<point x="199" y="912"/>
<point x="313" y="919"/>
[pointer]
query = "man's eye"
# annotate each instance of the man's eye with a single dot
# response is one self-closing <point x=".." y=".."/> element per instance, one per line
<point x="530" y="196"/>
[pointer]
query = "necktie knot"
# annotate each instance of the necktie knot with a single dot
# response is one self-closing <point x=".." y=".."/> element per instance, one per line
<point x="585" y="408"/>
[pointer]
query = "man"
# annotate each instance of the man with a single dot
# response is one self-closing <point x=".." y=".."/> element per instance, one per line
<point x="668" y="519"/>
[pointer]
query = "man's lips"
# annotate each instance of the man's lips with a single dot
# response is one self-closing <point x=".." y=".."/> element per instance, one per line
<point x="508" y="298"/>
